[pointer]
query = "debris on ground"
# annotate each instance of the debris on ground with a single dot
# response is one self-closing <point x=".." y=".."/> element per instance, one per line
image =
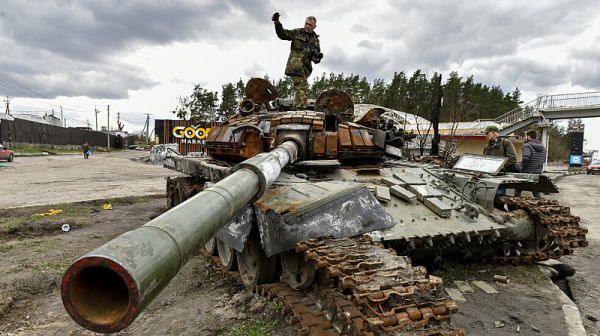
<point x="51" y="212"/>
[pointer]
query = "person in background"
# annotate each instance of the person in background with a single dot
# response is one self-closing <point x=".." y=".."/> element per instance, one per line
<point x="499" y="147"/>
<point x="533" y="158"/>
<point x="86" y="150"/>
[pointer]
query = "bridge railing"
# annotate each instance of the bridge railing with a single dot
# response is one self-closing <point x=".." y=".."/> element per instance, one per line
<point x="567" y="100"/>
<point x="511" y="117"/>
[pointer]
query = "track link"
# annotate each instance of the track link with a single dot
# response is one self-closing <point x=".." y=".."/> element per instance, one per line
<point x="554" y="224"/>
<point x="363" y="289"/>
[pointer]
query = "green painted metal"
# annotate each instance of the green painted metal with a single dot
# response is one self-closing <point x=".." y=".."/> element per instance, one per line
<point x="149" y="257"/>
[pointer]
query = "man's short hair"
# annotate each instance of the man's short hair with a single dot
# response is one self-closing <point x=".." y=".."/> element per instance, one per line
<point x="312" y="18"/>
<point x="532" y="134"/>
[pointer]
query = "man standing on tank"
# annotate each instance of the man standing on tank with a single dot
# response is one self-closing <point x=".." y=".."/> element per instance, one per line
<point x="299" y="65"/>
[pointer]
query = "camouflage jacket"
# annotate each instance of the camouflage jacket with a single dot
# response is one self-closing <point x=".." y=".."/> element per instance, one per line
<point x="502" y="148"/>
<point x="302" y="43"/>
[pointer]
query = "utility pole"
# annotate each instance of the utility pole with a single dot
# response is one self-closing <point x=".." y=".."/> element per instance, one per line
<point x="61" y="117"/>
<point x="148" y="128"/>
<point x="7" y="104"/>
<point x="108" y="130"/>
<point x="119" y="121"/>
<point x="96" y="110"/>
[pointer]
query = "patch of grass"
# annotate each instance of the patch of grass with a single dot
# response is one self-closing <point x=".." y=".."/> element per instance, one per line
<point x="61" y="263"/>
<point x="33" y="243"/>
<point x="46" y="150"/>
<point x="529" y="274"/>
<point x="455" y="270"/>
<point x="258" y="327"/>
<point x="95" y="237"/>
<point x="276" y="305"/>
<point x="6" y="248"/>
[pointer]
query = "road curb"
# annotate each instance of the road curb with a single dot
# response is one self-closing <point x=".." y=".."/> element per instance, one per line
<point x="570" y="309"/>
<point x="559" y="176"/>
<point x="572" y="314"/>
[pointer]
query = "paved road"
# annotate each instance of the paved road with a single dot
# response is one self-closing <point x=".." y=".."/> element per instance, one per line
<point x="581" y="193"/>
<point x="46" y="180"/>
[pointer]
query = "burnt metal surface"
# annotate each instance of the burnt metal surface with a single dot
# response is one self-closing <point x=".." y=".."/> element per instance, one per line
<point x="260" y="91"/>
<point x="236" y="231"/>
<point x="336" y="102"/>
<point x="289" y="214"/>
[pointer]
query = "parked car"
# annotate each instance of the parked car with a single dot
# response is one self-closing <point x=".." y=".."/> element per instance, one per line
<point x="594" y="167"/>
<point x="6" y="154"/>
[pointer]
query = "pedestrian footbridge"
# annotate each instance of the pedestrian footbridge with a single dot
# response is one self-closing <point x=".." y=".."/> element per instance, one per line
<point x="549" y="107"/>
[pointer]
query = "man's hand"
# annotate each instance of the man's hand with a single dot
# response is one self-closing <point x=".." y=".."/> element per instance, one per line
<point x="275" y="17"/>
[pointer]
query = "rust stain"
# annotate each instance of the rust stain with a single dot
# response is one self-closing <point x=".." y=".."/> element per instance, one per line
<point x="331" y="144"/>
<point x="319" y="144"/>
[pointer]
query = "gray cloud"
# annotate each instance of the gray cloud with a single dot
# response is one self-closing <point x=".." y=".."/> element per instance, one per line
<point x="526" y="74"/>
<point x="61" y="39"/>
<point x="360" y="29"/>
<point x="483" y="38"/>
<point x="586" y="65"/>
<point x="370" y="46"/>
<point x="255" y="71"/>
<point x="364" y="63"/>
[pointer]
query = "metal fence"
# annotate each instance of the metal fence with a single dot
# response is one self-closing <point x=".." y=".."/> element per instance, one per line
<point x="31" y="132"/>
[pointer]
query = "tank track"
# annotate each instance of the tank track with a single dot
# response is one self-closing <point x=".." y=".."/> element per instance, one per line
<point x="363" y="289"/>
<point x="556" y="232"/>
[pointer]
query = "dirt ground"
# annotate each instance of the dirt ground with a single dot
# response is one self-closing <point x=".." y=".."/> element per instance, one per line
<point x="35" y="252"/>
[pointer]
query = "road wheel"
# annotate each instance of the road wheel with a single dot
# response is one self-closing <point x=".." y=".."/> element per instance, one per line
<point x="255" y="267"/>
<point x="297" y="272"/>
<point x="10" y="158"/>
<point x="227" y="255"/>
<point x="211" y="246"/>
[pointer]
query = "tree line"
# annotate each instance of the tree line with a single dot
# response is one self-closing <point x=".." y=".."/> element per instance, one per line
<point x="415" y="94"/>
<point x="463" y="99"/>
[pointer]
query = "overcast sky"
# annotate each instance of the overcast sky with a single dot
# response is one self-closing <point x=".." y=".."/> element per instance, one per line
<point x="139" y="56"/>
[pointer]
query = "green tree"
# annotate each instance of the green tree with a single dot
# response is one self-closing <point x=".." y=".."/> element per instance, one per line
<point x="182" y="110"/>
<point x="202" y="104"/>
<point x="285" y="87"/>
<point x="240" y="90"/>
<point x="229" y="103"/>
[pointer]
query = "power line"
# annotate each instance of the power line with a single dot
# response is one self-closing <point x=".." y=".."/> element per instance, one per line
<point x="28" y="93"/>
<point x="27" y="89"/>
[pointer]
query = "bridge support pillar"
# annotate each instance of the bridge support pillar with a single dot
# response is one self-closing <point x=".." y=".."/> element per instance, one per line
<point x="544" y="139"/>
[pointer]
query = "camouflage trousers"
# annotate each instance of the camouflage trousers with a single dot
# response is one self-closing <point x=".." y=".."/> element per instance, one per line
<point x="301" y="87"/>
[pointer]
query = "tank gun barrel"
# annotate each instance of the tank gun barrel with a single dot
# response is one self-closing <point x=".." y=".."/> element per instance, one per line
<point x="105" y="290"/>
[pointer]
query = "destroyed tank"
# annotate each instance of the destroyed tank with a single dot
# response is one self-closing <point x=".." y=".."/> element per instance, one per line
<point x="316" y="205"/>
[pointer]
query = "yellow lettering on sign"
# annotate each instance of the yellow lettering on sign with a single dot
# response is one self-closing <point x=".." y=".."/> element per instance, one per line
<point x="190" y="132"/>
